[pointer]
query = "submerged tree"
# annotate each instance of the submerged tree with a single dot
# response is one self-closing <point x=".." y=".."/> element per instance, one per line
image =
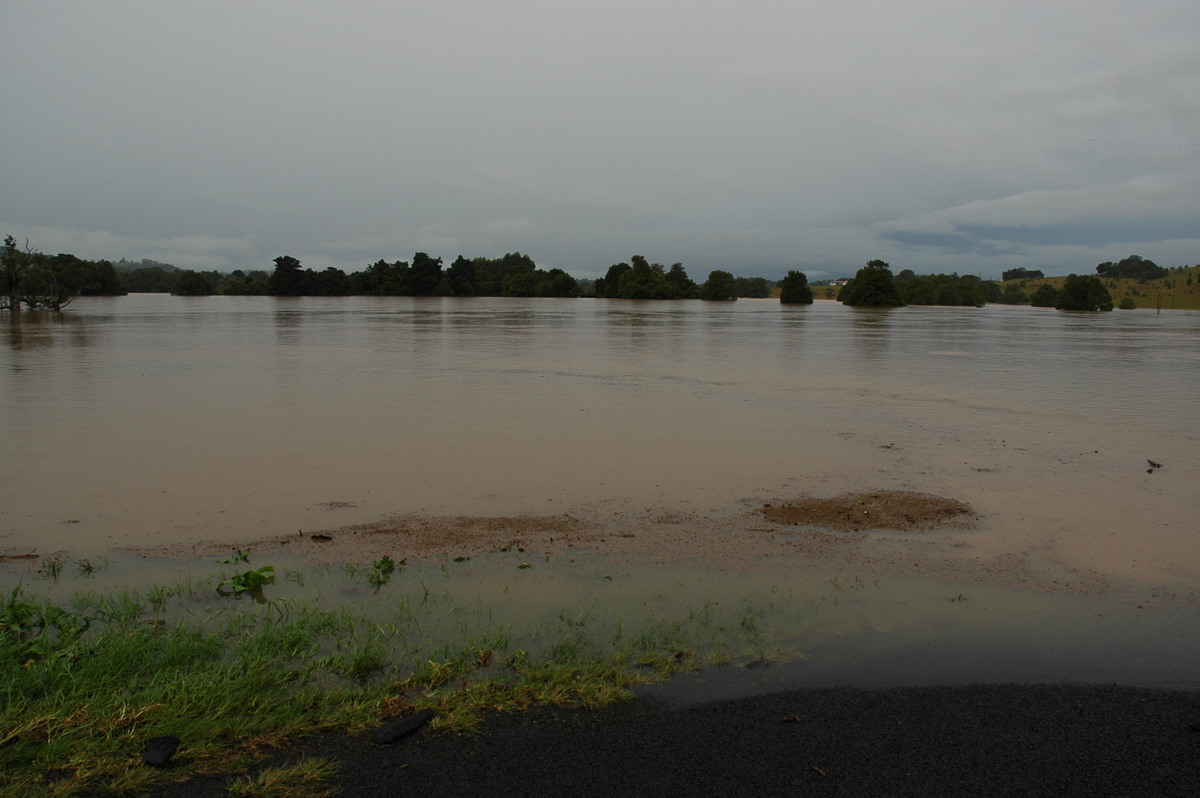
<point x="288" y="277"/>
<point x="1084" y="293"/>
<point x="36" y="281"/>
<point x="1046" y="296"/>
<point x="872" y="286"/>
<point x="14" y="263"/>
<point x="640" y="279"/>
<point x="682" y="286"/>
<point x="794" y="289"/>
<point x="719" y="287"/>
<point x="943" y="289"/>
<point x="1013" y="295"/>
<point x="192" y="283"/>
<point x="753" y="287"/>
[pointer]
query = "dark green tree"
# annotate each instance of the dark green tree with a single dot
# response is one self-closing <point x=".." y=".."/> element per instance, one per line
<point x="102" y="279"/>
<point x="642" y="281"/>
<point x="1135" y="267"/>
<point x="241" y="284"/>
<point x="1022" y="274"/>
<point x="330" y="282"/>
<point x="794" y="290"/>
<point x="610" y="284"/>
<point x="1084" y="292"/>
<point x="682" y="286"/>
<point x="719" y="287"/>
<point x="379" y="279"/>
<point x="489" y="273"/>
<point x="556" y="283"/>
<point x="15" y="262"/>
<point x="1013" y="295"/>
<point x="191" y="283"/>
<point x="36" y="281"/>
<point x="288" y="277"/>
<point x="972" y="290"/>
<point x="461" y="276"/>
<point x="1046" y="296"/>
<point x="150" y="280"/>
<point x="753" y="287"/>
<point x="921" y="290"/>
<point x="991" y="291"/>
<point x="872" y="286"/>
<point x="518" y="283"/>
<point x="425" y="275"/>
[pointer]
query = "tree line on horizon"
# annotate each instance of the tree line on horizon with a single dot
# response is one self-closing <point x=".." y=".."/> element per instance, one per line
<point x="32" y="280"/>
<point x="875" y="286"/>
<point x="640" y="279"/>
<point x="513" y="275"/>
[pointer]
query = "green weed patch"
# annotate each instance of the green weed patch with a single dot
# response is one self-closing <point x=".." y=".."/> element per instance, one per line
<point x="86" y="682"/>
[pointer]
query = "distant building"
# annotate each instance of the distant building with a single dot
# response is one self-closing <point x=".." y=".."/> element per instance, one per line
<point x="840" y="281"/>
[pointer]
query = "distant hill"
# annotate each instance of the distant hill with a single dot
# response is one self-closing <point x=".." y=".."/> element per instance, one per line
<point x="123" y="265"/>
<point x="1179" y="290"/>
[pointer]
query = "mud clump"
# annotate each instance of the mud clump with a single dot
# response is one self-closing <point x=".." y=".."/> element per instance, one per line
<point x="857" y="512"/>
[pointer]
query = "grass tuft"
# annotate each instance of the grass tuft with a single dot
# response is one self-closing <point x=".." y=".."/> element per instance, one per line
<point x="307" y="778"/>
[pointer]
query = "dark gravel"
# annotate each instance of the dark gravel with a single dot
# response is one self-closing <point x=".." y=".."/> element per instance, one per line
<point x="981" y="740"/>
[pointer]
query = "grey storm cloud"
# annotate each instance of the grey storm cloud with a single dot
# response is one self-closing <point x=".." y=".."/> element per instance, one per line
<point x="756" y="136"/>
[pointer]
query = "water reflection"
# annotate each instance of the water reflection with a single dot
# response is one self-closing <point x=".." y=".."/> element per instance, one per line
<point x="872" y="333"/>
<point x="288" y="313"/>
<point x="35" y="329"/>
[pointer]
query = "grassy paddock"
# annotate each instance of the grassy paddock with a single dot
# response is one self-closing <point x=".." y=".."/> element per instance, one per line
<point x="87" y="681"/>
<point x="1173" y="292"/>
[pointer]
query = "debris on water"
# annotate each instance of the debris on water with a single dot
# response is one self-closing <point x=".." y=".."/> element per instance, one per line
<point x="900" y="510"/>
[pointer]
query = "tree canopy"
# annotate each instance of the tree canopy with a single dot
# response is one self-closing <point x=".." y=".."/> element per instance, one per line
<point x="32" y="280"/>
<point x="794" y="289"/>
<point x="1022" y="274"/>
<point x="753" y="287"/>
<point x="288" y="278"/>
<point x="512" y="275"/>
<point x="1046" y="296"/>
<point x="1135" y="267"/>
<point x="1013" y="295"/>
<point x="721" y="286"/>
<point x="640" y="279"/>
<point x="872" y="286"/>
<point x="1084" y="292"/>
<point x="943" y="289"/>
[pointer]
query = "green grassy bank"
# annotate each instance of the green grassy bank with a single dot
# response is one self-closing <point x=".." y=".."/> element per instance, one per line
<point x="235" y="675"/>
<point x="1180" y="290"/>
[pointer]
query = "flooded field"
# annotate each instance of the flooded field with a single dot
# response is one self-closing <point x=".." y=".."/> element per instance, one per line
<point x="645" y="442"/>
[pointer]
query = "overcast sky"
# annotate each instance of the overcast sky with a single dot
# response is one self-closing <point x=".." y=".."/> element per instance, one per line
<point x="755" y="136"/>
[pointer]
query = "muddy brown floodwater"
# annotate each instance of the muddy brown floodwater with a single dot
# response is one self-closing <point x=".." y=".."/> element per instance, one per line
<point x="711" y="446"/>
<point x="732" y="540"/>
<point x="877" y="532"/>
